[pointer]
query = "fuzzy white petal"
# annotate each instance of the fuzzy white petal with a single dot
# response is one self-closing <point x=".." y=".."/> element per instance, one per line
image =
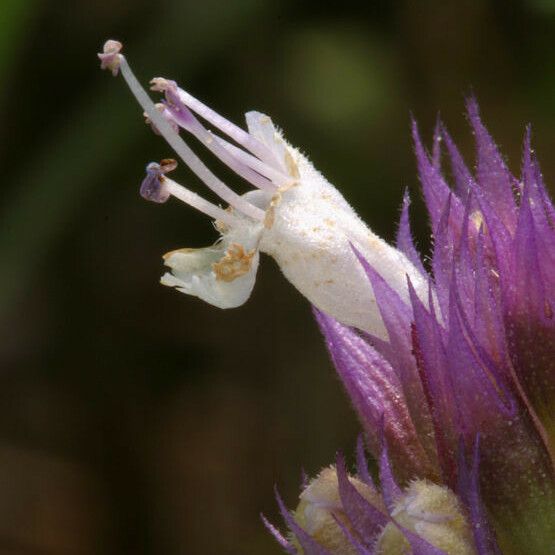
<point x="311" y="235"/>
<point x="222" y="276"/>
<point x="262" y="128"/>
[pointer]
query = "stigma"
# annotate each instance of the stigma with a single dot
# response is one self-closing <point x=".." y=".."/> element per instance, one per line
<point x="292" y="212"/>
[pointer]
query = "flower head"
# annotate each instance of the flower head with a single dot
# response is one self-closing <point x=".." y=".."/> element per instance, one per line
<point x="462" y="392"/>
<point x="451" y="371"/>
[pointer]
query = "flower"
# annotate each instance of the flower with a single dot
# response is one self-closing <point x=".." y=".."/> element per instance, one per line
<point x="450" y="369"/>
<point x="295" y="215"/>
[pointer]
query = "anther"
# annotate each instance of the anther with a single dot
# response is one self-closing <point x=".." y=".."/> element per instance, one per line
<point x="167" y="165"/>
<point x="154" y="187"/>
<point x="181" y="148"/>
<point x="110" y="57"/>
<point x="159" y="84"/>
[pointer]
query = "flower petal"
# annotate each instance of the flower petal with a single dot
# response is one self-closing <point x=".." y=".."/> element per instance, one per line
<point x="223" y="277"/>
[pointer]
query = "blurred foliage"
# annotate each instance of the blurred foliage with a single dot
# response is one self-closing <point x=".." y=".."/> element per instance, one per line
<point x="15" y="18"/>
<point x="137" y="420"/>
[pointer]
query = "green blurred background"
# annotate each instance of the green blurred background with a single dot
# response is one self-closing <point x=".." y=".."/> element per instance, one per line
<point x="137" y="420"/>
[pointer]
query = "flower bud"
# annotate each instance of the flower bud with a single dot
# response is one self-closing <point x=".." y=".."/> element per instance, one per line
<point x="435" y="514"/>
<point x="320" y="511"/>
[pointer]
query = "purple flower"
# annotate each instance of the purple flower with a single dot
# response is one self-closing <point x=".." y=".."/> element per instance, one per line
<point x="450" y="369"/>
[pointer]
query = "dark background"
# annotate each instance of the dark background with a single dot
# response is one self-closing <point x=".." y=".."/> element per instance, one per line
<point x="137" y="420"/>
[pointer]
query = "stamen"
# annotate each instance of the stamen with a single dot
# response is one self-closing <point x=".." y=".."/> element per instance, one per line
<point x="156" y="187"/>
<point x="185" y="118"/>
<point x="239" y="135"/>
<point x="117" y="60"/>
<point x="174" y="113"/>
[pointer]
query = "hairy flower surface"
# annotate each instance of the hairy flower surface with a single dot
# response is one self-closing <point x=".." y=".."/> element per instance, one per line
<point x="295" y="215"/>
<point x="451" y="370"/>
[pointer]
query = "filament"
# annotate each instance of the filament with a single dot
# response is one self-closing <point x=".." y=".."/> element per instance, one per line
<point x="196" y="201"/>
<point x="183" y="117"/>
<point x="184" y="152"/>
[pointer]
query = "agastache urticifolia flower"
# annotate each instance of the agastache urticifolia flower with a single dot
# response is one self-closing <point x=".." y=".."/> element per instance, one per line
<point x="294" y="214"/>
<point x="451" y="370"/>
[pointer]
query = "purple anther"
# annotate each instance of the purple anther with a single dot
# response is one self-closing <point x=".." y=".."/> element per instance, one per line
<point x="174" y="110"/>
<point x="154" y="186"/>
<point x="110" y="57"/>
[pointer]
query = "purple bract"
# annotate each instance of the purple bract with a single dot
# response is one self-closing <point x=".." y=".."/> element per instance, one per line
<point x="462" y="392"/>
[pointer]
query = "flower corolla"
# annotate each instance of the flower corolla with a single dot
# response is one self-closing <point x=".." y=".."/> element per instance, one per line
<point x="294" y="214"/>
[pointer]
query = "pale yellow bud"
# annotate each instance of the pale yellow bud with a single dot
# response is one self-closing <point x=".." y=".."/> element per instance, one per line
<point x="320" y="500"/>
<point x="435" y="514"/>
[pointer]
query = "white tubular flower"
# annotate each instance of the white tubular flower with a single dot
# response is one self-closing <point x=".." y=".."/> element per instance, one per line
<point x="295" y="215"/>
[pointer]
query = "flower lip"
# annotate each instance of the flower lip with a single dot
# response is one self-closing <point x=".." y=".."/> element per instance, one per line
<point x="222" y="275"/>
